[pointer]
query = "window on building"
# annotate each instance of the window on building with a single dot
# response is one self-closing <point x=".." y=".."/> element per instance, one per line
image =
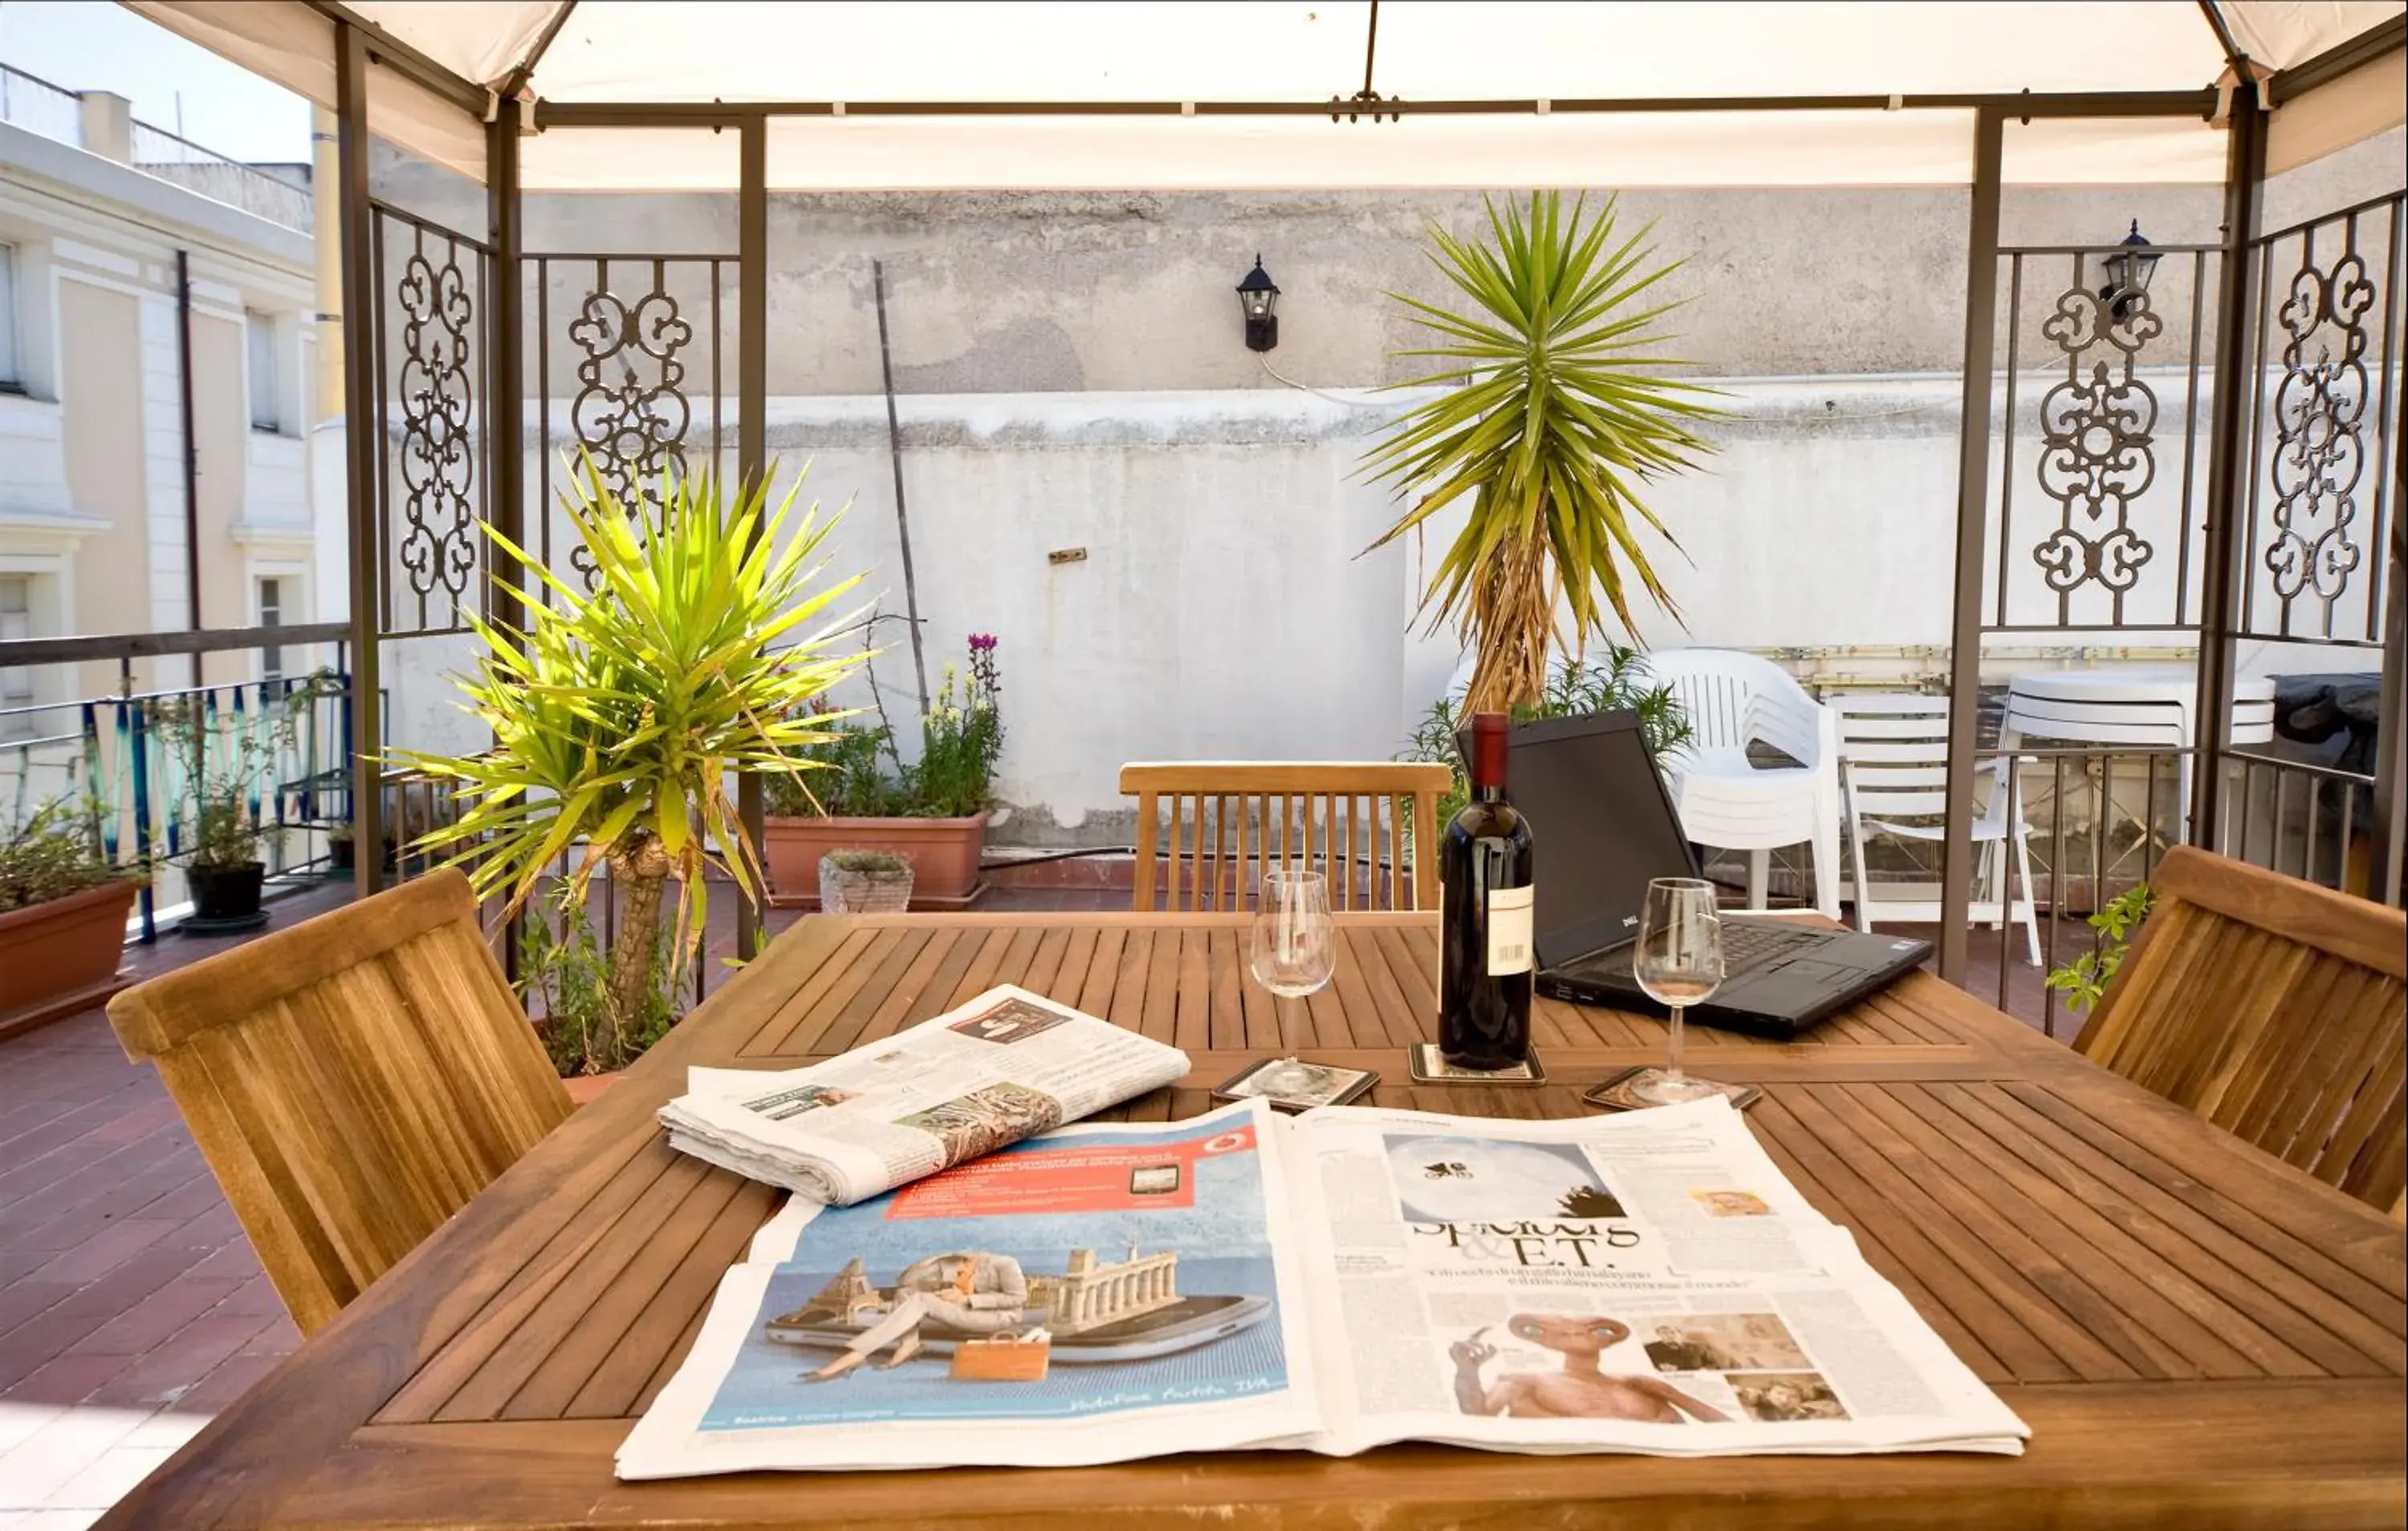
<point x="17" y="684"/>
<point x="11" y="380"/>
<point x="264" y="416"/>
<point x="271" y="614"/>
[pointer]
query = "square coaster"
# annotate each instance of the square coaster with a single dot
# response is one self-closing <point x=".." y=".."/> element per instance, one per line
<point x="1618" y="1093"/>
<point x="1428" y="1065"/>
<point x="1294" y="1085"/>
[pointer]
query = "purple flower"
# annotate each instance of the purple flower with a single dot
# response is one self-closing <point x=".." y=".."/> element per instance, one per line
<point x="981" y="642"/>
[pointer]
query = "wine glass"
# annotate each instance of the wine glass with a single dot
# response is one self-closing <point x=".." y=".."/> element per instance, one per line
<point x="1679" y="962"/>
<point x="1294" y="950"/>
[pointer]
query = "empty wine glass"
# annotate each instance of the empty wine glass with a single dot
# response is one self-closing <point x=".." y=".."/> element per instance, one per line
<point x="1294" y="950"/>
<point x="1679" y="962"/>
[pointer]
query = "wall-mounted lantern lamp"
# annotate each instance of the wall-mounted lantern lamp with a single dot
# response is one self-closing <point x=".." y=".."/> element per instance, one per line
<point x="1258" y="298"/>
<point x="2128" y="271"/>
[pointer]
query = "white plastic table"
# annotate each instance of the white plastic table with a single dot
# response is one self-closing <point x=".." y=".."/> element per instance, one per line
<point x="2147" y="707"/>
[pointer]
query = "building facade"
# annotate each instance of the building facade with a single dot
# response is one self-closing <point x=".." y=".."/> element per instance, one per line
<point x="155" y="428"/>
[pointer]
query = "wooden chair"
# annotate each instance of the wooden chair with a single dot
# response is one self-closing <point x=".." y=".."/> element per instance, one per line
<point x="1226" y="815"/>
<point x="2272" y="1008"/>
<point x="352" y="1081"/>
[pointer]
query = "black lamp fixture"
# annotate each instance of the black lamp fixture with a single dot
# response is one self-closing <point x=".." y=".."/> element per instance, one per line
<point x="1258" y="298"/>
<point x="2129" y="270"/>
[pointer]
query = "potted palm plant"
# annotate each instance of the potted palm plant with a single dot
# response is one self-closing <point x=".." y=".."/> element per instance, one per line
<point x="621" y="717"/>
<point x="931" y="811"/>
<point x="1555" y="417"/>
<point x="62" y="909"/>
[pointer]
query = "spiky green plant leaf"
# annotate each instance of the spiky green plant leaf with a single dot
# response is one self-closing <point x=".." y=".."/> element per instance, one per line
<point x="1556" y="415"/>
<point x="619" y="717"/>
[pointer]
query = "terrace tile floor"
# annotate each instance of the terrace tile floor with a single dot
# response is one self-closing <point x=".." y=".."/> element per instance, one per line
<point x="131" y="1305"/>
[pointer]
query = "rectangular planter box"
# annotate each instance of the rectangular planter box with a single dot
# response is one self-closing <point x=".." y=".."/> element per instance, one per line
<point x="944" y="854"/>
<point x="59" y="957"/>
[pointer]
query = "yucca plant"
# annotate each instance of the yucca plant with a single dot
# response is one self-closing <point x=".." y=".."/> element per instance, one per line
<point x="1554" y="418"/>
<point x="619" y="717"/>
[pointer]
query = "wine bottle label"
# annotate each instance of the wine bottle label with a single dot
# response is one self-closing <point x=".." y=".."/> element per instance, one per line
<point x="1509" y="931"/>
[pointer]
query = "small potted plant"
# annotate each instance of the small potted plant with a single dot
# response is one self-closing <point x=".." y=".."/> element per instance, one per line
<point x="63" y="910"/>
<point x="865" y="882"/>
<point x="932" y="812"/>
<point x="222" y="865"/>
<point x="342" y="848"/>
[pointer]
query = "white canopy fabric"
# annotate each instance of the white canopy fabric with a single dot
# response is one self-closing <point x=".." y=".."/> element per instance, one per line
<point x="859" y="52"/>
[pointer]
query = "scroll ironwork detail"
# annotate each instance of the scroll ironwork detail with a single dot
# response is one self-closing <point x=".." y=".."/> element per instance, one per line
<point x="2319" y="450"/>
<point x="631" y="413"/>
<point x="437" y="549"/>
<point x="2098" y="445"/>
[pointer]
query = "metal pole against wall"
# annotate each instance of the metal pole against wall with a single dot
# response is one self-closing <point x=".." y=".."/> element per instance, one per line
<point x="2391" y="707"/>
<point x="2228" y="465"/>
<point x="752" y="416"/>
<point x="506" y="389"/>
<point x="1972" y="478"/>
<point x="192" y="452"/>
<point x="361" y="448"/>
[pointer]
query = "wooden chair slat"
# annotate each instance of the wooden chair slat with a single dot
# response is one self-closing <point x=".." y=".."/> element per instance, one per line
<point x="1318" y="816"/>
<point x="352" y="1082"/>
<point x="2275" y="1009"/>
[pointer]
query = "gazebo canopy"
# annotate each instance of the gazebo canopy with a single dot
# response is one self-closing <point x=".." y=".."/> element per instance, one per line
<point x="1178" y="94"/>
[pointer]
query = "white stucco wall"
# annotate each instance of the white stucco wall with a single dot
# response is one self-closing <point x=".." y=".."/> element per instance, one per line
<point x="1225" y="607"/>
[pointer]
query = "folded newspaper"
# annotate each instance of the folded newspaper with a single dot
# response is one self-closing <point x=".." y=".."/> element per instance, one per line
<point x="1647" y="1282"/>
<point x="1007" y="1065"/>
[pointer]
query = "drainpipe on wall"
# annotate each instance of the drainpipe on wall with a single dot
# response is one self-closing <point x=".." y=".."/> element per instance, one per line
<point x="191" y="450"/>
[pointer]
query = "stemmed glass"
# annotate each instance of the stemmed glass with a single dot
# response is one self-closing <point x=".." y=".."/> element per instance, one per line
<point x="1293" y="950"/>
<point x="1679" y="962"/>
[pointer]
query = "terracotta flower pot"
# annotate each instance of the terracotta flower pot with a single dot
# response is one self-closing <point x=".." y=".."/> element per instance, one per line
<point x="944" y="854"/>
<point x="52" y="953"/>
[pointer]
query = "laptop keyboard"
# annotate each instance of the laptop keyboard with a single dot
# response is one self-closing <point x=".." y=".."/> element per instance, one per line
<point x="1750" y="943"/>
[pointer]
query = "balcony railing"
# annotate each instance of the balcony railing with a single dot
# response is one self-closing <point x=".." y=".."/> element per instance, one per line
<point x="134" y="762"/>
<point x="161" y="153"/>
<point x="36" y="105"/>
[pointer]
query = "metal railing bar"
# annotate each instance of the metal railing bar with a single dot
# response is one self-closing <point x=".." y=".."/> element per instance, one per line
<point x="71" y="651"/>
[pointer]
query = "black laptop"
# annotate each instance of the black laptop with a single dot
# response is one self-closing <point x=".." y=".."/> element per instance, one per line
<point x="1605" y="827"/>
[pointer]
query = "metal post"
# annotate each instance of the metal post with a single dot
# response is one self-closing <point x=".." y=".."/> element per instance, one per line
<point x="1972" y="475"/>
<point x="362" y="447"/>
<point x="751" y="417"/>
<point x="504" y="395"/>
<point x="2391" y="707"/>
<point x="2227" y="465"/>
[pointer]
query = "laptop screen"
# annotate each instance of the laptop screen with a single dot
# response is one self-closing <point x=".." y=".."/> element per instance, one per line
<point x="1603" y="827"/>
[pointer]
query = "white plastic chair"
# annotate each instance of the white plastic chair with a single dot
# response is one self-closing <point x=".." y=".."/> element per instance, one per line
<point x="1734" y="700"/>
<point x="1894" y="772"/>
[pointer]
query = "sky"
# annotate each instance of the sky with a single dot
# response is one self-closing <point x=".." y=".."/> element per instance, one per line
<point x="97" y="45"/>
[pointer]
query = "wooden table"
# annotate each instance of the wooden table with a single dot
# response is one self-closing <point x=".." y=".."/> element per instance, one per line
<point x="2196" y="1334"/>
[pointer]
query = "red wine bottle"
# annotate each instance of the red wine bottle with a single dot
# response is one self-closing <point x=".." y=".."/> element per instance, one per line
<point x="1484" y="937"/>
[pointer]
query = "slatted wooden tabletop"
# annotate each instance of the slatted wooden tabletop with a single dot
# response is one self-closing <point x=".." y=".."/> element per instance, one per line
<point x="2198" y="1334"/>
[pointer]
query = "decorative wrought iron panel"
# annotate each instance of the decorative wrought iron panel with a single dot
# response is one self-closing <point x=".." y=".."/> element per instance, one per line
<point x="2327" y="354"/>
<point x="628" y="373"/>
<point x="2100" y="453"/>
<point x="431" y="360"/>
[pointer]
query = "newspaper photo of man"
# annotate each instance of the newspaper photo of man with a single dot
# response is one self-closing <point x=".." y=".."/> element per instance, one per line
<point x="967" y="1292"/>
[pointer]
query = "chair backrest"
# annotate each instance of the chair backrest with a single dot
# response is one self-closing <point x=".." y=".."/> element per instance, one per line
<point x="2272" y="1008"/>
<point x="1894" y="748"/>
<point x="1370" y="826"/>
<point x="352" y="1082"/>
<point x="1733" y="700"/>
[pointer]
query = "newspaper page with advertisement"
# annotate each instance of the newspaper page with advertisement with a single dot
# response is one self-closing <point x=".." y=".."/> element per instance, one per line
<point x="1646" y="1283"/>
<point x="1332" y="1281"/>
<point x="1002" y="1067"/>
<point x="1094" y="1295"/>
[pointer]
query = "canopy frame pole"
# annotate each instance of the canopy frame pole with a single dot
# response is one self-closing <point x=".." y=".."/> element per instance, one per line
<point x="2229" y="431"/>
<point x="1972" y="512"/>
<point x="753" y="427"/>
<point x="360" y="451"/>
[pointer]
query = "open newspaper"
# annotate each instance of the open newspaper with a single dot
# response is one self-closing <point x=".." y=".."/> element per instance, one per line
<point x="1007" y="1065"/>
<point x="1647" y="1282"/>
